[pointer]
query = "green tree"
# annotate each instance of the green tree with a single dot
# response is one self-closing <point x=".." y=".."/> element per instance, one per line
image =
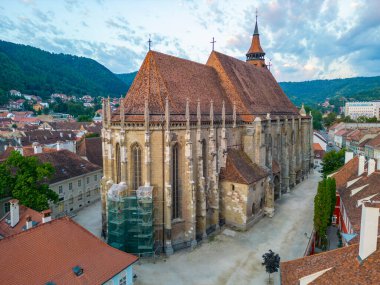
<point x="317" y="117"/>
<point x="271" y="261"/>
<point x="329" y="119"/>
<point x="332" y="161"/>
<point x="26" y="179"/>
<point x="324" y="205"/>
<point x="84" y="118"/>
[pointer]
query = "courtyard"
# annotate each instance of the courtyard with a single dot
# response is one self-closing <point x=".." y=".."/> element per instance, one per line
<point x="231" y="257"/>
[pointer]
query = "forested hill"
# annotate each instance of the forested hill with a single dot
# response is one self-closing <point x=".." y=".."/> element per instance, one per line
<point x="34" y="71"/>
<point x="316" y="91"/>
<point x="127" y="78"/>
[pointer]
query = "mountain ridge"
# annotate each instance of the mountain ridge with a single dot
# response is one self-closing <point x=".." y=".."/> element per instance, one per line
<point x="35" y="71"/>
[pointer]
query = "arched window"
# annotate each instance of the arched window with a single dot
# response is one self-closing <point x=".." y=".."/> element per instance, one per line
<point x="253" y="209"/>
<point x="117" y="161"/>
<point x="136" y="166"/>
<point x="175" y="183"/>
<point x="204" y="159"/>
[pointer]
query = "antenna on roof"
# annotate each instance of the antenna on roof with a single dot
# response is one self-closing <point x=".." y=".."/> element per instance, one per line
<point x="149" y="42"/>
<point x="213" y="43"/>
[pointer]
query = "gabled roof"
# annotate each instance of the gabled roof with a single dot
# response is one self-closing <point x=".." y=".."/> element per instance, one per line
<point x="91" y="148"/>
<point x="67" y="164"/>
<point x="375" y="142"/>
<point x="344" y="264"/>
<point x="162" y="76"/>
<point x="50" y="251"/>
<point x="365" y="187"/>
<point x="254" y="90"/>
<point x="240" y="168"/>
<point x="346" y="173"/>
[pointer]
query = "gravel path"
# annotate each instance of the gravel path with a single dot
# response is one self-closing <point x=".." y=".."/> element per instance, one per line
<point x="235" y="257"/>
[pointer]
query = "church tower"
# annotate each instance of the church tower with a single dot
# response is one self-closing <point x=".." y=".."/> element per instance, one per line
<point x="255" y="54"/>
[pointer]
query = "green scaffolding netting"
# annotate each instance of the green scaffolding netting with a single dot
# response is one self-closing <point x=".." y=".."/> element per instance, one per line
<point x="130" y="224"/>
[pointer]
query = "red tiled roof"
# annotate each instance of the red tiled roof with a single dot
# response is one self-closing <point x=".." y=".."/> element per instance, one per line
<point x="375" y="142"/>
<point x="317" y="146"/>
<point x="67" y="164"/>
<point x="223" y="78"/>
<point x="344" y="264"/>
<point x="346" y="173"/>
<point x="240" y="168"/>
<point x="350" y="202"/>
<point x="255" y="45"/>
<point x="91" y="148"/>
<point x="6" y="230"/>
<point x="50" y="251"/>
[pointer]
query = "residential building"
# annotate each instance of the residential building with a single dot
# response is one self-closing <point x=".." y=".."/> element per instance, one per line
<point x="357" y="182"/>
<point x="76" y="181"/>
<point x="319" y="153"/>
<point x="62" y="252"/>
<point x="372" y="147"/>
<point x="358" y="263"/>
<point x="320" y="139"/>
<point x="362" y="109"/>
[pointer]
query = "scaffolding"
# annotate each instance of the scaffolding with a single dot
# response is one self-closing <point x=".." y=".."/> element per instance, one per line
<point x="130" y="220"/>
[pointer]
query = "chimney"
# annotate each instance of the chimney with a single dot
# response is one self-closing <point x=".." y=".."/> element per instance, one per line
<point x="15" y="212"/>
<point x="348" y="156"/>
<point x="46" y="216"/>
<point x="59" y="147"/>
<point x="37" y="148"/>
<point x="29" y="222"/>
<point x="371" y="166"/>
<point x="361" y="165"/>
<point x="368" y="229"/>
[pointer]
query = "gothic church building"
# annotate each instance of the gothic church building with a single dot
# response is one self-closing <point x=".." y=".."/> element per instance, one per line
<point x="218" y="143"/>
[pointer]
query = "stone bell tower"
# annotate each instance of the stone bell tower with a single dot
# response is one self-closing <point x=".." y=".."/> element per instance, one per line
<point x="255" y="54"/>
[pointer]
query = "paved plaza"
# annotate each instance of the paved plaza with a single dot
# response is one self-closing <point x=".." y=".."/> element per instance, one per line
<point x="231" y="257"/>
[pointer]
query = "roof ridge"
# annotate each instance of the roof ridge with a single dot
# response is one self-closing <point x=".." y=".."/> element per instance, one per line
<point x="323" y="253"/>
<point x="33" y="228"/>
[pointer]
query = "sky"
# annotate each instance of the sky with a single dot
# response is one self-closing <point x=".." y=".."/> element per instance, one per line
<point x="305" y="40"/>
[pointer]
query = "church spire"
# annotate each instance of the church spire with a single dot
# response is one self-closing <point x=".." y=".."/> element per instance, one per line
<point x="255" y="54"/>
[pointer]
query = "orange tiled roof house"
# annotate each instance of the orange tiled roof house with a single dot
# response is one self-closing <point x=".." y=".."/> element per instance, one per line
<point x="217" y="143"/>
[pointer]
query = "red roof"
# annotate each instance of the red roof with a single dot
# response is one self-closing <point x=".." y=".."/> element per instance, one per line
<point x="240" y="168"/>
<point x="5" y="228"/>
<point x="344" y="264"/>
<point x="223" y="78"/>
<point x="50" y="251"/>
<point x="317" y="146"/>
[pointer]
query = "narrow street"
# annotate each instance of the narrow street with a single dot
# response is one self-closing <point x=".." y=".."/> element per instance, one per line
<point x="235" y="257"/>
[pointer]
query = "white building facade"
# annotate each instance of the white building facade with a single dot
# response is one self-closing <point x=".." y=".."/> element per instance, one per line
<point x="362" y="109"/>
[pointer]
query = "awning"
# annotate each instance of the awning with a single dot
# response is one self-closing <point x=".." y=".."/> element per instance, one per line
<point x="348" y="237"/>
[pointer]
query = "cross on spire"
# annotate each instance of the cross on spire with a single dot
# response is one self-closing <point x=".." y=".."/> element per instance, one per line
<point x="256" y="14"/>
<point x="213" y="42"/>
<point x="149" y="42"/>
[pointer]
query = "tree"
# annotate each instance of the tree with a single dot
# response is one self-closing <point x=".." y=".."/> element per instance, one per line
<point x="26" y="179"/>
<point x="271" y="261"/>
<point x="317" y="117"/>
<point x="84" y="118"/>
<point x="332" y="161"/>
<point x="329" y="119"/>
<point x="324" y="205"/>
